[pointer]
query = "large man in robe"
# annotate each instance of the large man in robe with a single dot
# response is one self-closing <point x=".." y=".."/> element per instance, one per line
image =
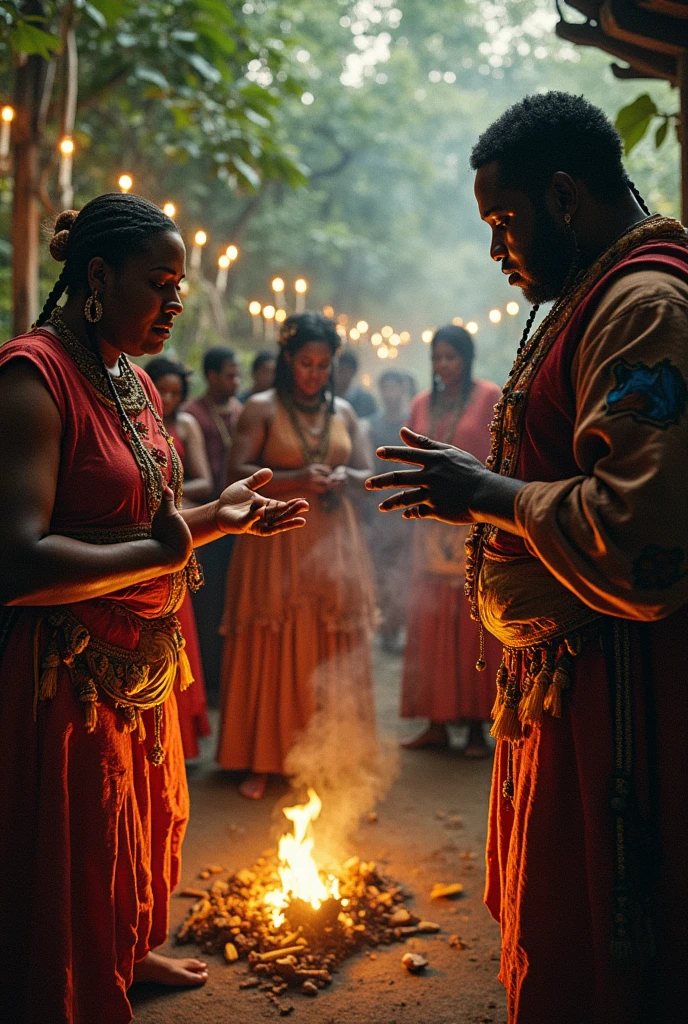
<point x="578" y="564"/>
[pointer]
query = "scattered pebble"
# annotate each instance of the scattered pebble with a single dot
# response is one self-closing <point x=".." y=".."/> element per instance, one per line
<point x="414" y="962"/>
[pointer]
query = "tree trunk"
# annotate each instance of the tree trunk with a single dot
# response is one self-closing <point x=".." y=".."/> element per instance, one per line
<point x="28" y="90"/>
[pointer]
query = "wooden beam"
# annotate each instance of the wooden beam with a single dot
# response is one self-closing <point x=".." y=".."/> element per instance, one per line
<point x="658" y="65"/>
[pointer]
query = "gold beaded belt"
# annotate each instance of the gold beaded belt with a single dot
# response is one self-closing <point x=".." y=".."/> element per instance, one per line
<point x="136" y="680"/>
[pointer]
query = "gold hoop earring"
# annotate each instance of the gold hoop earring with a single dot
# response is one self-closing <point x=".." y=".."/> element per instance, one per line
<point x="567" y="218"/>
<point x="93" y="309"/>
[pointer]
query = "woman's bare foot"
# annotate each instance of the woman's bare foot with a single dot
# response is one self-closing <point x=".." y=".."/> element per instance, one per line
<point x="167" y="970"/>
<point x="476" y="746"/>
<point x="435" y="735"/>
<point x="253" y="786"/>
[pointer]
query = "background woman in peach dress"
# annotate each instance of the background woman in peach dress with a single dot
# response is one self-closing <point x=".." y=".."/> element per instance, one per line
<point x="298" y="617"/>
<point x="440" y="681"/>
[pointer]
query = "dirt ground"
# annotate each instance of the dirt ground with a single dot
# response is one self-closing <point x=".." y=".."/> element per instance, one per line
<point x="412" y="842"/>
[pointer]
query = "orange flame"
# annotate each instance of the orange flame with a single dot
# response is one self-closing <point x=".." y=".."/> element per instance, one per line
<point x="298" y="871"/>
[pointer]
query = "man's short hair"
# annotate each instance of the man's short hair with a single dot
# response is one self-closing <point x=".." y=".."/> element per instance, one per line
<point x="551" y="132"/>
<point x="216" y="357"/>
<point x="347" y="358"/>
<point x="391" y="377"/>
<point x="261" y="359"/>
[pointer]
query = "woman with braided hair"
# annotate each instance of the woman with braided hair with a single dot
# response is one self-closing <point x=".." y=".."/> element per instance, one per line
<point x="96" y="561"/>
<point x="297" y="624"/>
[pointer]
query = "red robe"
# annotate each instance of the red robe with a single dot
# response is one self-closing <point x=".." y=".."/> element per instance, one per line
<point x="191" y="702"/>
<point x="91" y="831"/>
<point x="440" y="681"/>
<point x="551" y="856"/>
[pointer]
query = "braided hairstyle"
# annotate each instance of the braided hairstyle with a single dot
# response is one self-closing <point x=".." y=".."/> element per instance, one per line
<point x="462" y="343"/>
<point x="296" y="331"/>
<point x="114" y="226"/>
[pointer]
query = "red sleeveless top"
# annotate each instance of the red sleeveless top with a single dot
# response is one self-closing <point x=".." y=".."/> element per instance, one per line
<point x="100" y="496"/>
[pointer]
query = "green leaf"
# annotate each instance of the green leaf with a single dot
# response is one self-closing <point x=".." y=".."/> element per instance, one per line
<point x="246" y="171"/>
<point x="26" y="38"/>
<point x="661" y="133"/>
<point x="204" y="68"/>
<point x="96" y="15"/>
<point x="150" y="75"/>
<point x="111" y="10"/>
<point x="633" y="120"/>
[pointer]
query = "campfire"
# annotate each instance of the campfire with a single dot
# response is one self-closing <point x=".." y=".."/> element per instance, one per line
<point x="293" y="923"/>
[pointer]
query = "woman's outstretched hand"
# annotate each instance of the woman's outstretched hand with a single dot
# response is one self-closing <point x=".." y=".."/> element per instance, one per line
<point x="241" y="510"/>
<point x="446" y="487"/>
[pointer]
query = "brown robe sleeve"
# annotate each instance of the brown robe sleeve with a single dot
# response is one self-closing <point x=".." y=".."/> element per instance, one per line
<point x="617" y="535"/>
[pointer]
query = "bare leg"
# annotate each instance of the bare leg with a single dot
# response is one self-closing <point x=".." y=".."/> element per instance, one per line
<point x="253" y="786"/>
<point x="167" y="970"/>
<point x="476" y="746"/>
<point x="435" y="735"/>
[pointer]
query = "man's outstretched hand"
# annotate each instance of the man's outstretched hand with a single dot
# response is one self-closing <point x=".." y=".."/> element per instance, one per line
<point x="241" y="510"/>
<point x="451" y="485"/>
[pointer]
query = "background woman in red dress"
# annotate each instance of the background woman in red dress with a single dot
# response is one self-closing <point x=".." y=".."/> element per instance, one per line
<point x="172" y="382"/>
<point x="440" y="681"/>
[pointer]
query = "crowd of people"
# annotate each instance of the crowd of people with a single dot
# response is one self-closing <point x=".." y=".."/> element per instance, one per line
<point x="272" y="620"/>
<point x="558" y="504"/>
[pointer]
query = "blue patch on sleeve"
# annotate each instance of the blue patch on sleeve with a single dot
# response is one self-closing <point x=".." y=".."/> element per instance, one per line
<point x="648" y="394"/>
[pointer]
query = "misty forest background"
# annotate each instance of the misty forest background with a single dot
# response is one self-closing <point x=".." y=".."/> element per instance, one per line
<point x="327" y="139"/>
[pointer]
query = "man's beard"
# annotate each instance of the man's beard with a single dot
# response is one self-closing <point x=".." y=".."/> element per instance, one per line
<point x="548" y="259"/>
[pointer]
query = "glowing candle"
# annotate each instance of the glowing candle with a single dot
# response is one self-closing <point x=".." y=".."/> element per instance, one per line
<point x="7" y="117"/>
<point x="65" y="173"/>
<point x="300" y="287"/>
<point x="222" y="273"/>
<point x="200" y="239"/>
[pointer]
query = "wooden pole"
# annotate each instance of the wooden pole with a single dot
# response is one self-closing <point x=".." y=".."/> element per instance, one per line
<point x="29" y="85"/>
<point x="683" y="131"/>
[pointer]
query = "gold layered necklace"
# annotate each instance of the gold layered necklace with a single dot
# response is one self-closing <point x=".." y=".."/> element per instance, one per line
<point x="133" y="401"/>
<point x="311" y="456"/>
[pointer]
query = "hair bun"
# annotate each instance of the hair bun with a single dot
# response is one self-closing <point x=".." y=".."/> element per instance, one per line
<point x="60" y="239"/>
<point x="58" y="245"/>
<point x="65" y="220"/>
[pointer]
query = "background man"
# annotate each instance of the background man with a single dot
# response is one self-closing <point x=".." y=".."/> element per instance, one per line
<point x="581" y="551"/>
<point x="262" y="375"/>
<point x="361" y="400"/>
<point x="217" y="411"/>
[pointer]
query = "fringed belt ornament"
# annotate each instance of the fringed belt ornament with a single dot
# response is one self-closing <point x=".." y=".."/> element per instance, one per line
<point x="136" y="680"/>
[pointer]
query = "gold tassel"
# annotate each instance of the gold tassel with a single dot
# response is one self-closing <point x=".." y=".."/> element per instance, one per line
<point x="502" y="677"/>
<point x="129" y="718"/>
<point x="86" y="692"/>
<point x="533" y="702"/>
<point x="552" y="704"/>
<point x="91" y="714"/>
<point x="186" y="677"/>
<point x="48" y="684"/>
<point x="506" y="725"/>
<point x="141" y="728"/>
<point x="156" y="754"/>
<point x="530" y="711"/>
<point x="561" y="680"/>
